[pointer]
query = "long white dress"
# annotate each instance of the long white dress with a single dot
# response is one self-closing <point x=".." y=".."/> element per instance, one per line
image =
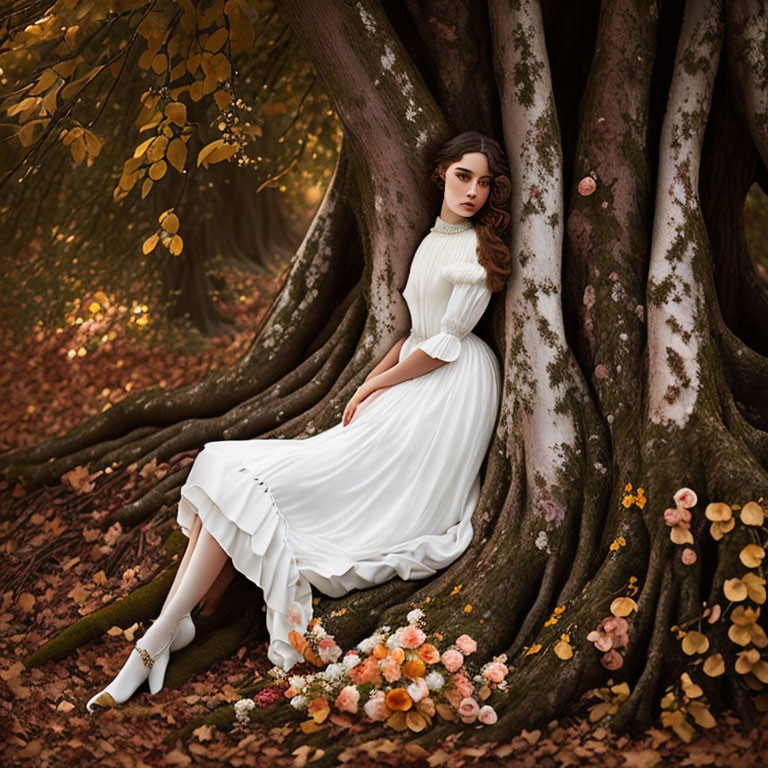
<point x="390" y="494"/>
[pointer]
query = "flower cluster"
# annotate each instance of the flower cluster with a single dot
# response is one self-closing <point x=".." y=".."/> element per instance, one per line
<point x="678" y="518"/>
<point x="637" y="498"/>
<point x="612" y="633"/>
<point x="398" y="677"/>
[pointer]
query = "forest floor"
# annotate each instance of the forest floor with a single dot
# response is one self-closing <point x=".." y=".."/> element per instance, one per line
<point x="61" y="564"/>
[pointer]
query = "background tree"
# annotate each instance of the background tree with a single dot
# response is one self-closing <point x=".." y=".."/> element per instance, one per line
<point x="632" y="334"/>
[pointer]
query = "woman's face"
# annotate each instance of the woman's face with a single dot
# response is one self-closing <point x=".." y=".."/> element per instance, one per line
<point x="467" y="184"/>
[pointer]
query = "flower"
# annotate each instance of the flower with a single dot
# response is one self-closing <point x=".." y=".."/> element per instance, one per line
<point x="367" y="672"/>
<point x="428" y="653"/>
<point x="452" y="660"/>
<point x="376" y="707"/>
<point x="495" y="672"/>
<point x="335" y="671"/>
<point x="414" y="668"/>
<point x="418" y="689"/>
<point x="434" y="680"/>
<point x="610" y="633"/>
<point x="390" y="669"/>
<point x="487" y="715"/>
<point x="410" y="636"/>
<point x="348" y="699"/>
<point x="242" y="709"/>
<point x="299" y="702"/>
<point x="415" y="616"/>
<point x="686" y="498"/>
<point x="586" y="186"/>
<point x="366" y="646"/>
<point x="327" y="649"/>
<point x="468" y="710"/>
<point x="398" y="699"/>
<point x="318" y="709"/>
<point x="268" y="696"/>
<point x="427" y="707"/>
<point x="612" y="660"/>
<point x="398" y="654"/>
<point x="466" y="644"/>
<point x="462" y="684"/>
<point x="688" y="556"/>
<point x="351" y="659"/>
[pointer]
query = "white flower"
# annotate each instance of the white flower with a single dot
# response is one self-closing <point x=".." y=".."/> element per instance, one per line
<point x="434" y="680"/>
<point x="335" y="671"/>
<point x="415" y="616"/>
<point x="393" y="641"/>
<point x="367" y="645"/>
<point x="318" y="631"/>
<point x="299" y="702"/>
<point x="386" y="628"/>
<point x="351" y="660"/>
<point x="242" y="708"/>
<point x="296" y="681"/>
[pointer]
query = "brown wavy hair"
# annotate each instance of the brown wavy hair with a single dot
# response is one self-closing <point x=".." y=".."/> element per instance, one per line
<point x="492" y="220"/>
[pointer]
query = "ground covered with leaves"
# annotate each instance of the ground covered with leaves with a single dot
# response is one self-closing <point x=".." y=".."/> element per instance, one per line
<point x="61" y="562"/>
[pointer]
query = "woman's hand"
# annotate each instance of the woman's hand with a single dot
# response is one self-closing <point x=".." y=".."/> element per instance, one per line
<point x="363" y="391"/>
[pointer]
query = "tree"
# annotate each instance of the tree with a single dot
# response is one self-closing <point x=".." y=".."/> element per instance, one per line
<point x="631" y="336"/>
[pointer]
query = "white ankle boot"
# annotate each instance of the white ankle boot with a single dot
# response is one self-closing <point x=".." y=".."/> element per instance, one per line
<point x="139" y="666"/>
<point x="185" y="633"/>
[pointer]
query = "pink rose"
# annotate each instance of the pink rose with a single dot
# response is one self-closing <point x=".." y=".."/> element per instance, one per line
<point x="452" y="660"/>
<point x="348" y="699"/>
<point x="685" y="497"/>
<point x="688" y="556"/>
<point x="487" y="715"/>
<point x="462" y="684"/>
<point x="586" y="186"/>
<point x="685" y="516"/>
<point x="612" y="660"/>
<point x="466" y="644"/>
<point x="410" y="636"/>
<point x="327" y="649"/>
<point x="390" y="669"/>
<point x="601" y="372"/>
<point x="376" y="707"/>
<point x="495" y="672"/>
<point x="468" y="710"/>
<point x="418" y="689"/>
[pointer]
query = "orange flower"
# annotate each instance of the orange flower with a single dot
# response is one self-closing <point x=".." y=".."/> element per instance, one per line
<point x="367" y="672"/>
<point x="398" y="654"/>
<point x="380" y="651"/>
<point x="414" y="668"/>
<point x="318" y="709"/>
<point x="428" y="653"/>
<point x="398" y="699"/>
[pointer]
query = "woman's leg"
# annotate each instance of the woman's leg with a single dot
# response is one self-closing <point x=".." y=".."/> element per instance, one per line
<point x="212" y="598"/>
<point x="202" y="569"/>
<point x="194" y="532"/>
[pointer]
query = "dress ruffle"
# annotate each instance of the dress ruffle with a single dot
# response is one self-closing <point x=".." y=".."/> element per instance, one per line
<point x="216" y="483"/>
<point x="443" y="346"/>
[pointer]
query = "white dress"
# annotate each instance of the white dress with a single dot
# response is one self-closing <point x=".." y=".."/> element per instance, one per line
<point x="390" y="494"/>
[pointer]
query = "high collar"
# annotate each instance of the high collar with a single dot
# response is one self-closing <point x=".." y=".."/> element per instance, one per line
<point x="449" y="229"/>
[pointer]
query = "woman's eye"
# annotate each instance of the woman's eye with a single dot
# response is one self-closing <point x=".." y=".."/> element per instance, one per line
<point x="462" y="175"/>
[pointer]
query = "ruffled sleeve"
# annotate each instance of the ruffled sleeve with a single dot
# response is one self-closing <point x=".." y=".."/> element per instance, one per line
<point x="469" y="298"/>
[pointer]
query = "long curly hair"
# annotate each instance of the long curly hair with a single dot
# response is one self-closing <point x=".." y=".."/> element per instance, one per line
<point x="492" y="220"/>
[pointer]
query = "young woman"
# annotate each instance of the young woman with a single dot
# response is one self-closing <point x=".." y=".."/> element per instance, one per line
<point x="389" y="490"/>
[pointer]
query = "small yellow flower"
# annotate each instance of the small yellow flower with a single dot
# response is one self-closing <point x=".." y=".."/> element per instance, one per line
<point x="468" y="608"/>
<point x="628" y="501"/>
<point x="560" y="609"/>
<point x="618" y="542"/>
<point x="565" y="637"/>
<point x="628" y="487"/>
<point x="640" y="501"/>
<point x="550" y="621"/>
<point x="456" y="590"/>
<point x="533" y="649"/>
<point x="640" y="492"/>
<point x="427" y="599"/>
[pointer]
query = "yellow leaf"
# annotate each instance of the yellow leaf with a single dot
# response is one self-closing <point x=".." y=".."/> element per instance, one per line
<point x="77" y="148"/>
<point x="563" y="650"/>
<point x="415" y="721"/>
<point x="446" y="711"/>
<point x="752" y="555"/>
<point x="146" y="187"/>
<point x="695" y="642"/>
<point x="207" y="150"/>
<point x="310" y="726"/>
<point x="156" y="150"/>
<point x="676" y="720"/>
<point x="176" y="112"/>
<point x="176" y="246"/>
<point x="196" y="90"/>
<point x="222" y="99"/>
<point x="735" y="589"/>
<point x="714" y="665"/>
<point x="623" y="606"/>
<point x="44" y="82"/>
<point x="701" y="714"/>
<point x="170" y="223"/>
<point x="157" y="170"/>
<point x="160" y="63"/>
<point x="149" y="244"/>
<point x="177" y="154"/>
<point x="755" y="587"/>
<point x="752" y="514"/>
<point x="216" y="40"/>
<point x="142" y="148"/>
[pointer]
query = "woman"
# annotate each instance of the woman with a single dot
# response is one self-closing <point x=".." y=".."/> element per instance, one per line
<point x="389" y="490"/>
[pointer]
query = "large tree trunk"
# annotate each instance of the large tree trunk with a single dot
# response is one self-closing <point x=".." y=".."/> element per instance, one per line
<point x="645" y="370"/>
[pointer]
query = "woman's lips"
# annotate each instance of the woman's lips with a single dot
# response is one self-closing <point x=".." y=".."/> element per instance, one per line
<point x="468" y="205"/>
